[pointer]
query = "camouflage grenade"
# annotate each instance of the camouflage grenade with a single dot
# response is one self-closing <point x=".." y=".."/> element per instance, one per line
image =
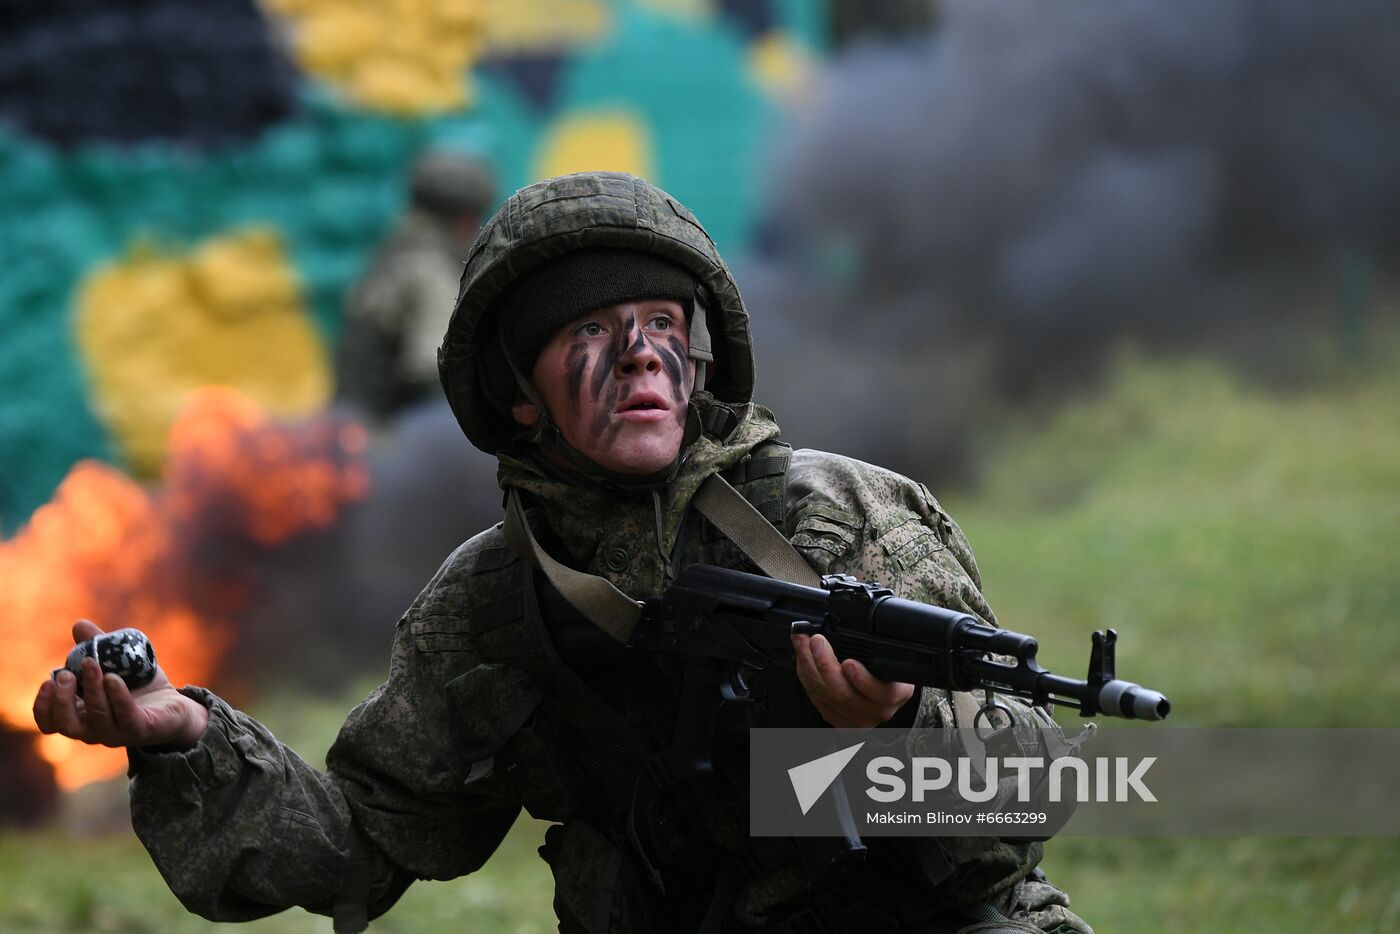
<point x="126" y="653"/>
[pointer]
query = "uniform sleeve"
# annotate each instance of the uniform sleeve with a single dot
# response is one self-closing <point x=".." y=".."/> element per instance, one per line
<point x="852" y="518"/>
<point x="241" y="827"/>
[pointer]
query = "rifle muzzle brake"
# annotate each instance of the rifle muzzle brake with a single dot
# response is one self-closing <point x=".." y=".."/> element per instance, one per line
<point x="1133" y="701"/>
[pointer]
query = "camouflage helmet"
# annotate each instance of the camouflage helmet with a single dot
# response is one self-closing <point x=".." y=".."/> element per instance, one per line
<point x="555" y="217"/>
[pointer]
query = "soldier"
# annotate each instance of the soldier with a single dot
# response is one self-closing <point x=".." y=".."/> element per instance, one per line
<point x="396" y="314"/>
<point x="600" y="350"/>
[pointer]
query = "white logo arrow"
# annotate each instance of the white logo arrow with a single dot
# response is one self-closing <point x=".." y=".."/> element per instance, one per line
<point x="811" y="779"/>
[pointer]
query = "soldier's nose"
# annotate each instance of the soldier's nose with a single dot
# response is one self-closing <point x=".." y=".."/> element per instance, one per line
<point x="641" y="354"/>
<point x="650" y="364"/>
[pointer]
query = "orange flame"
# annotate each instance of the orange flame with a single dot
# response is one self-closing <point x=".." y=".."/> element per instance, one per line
<point x="108" y="550"/>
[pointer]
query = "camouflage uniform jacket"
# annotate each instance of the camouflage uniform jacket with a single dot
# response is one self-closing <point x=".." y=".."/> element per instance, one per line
<point x="479" y="717"/>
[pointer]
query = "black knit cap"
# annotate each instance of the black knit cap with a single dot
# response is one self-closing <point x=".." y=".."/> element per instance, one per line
<point x="559" y="291"/>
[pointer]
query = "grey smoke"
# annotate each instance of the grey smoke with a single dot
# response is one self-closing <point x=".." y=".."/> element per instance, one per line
<point x="1035" y="181"/>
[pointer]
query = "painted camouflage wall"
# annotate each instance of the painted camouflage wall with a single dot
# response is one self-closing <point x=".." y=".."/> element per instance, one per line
<point x="184" y="199"/>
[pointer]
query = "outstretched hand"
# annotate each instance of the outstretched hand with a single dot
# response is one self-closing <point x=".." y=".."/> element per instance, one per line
<point x="110" y="714"/>
<point x="845" y="693"/>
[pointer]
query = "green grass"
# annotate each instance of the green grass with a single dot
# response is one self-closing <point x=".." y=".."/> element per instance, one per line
<point x="1282" y="885"/>
<point x="53" y="884"/>
<point x="1245" y="546"/>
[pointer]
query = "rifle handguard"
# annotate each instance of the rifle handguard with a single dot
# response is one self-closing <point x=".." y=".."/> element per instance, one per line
<point x="746" y="619"/>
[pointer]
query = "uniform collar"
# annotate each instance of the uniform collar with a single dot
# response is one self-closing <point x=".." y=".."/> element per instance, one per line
<point x="627" y="534"/>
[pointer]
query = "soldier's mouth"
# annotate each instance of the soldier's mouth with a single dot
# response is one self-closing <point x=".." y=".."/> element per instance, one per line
<point x="644" y="402"/>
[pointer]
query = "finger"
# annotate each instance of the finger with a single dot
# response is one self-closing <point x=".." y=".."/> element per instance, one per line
<point x="43" y="708"/>
<point x="821" y="676"/>
<point x="67" y="719"/>
<point x="98" y="715"/>
<point x="127" y="717"/>
<point x="824" y="657"/>
<point x="810" y="672"/>
<point x="830" y="670"/>
<point x="844" y="706"/>
<point x="807" y="674"/>
<point x="83" y="630"/>
<point x="836" y="677"/>
<point x="881" y="693"/>
<point x="806" y="668"/>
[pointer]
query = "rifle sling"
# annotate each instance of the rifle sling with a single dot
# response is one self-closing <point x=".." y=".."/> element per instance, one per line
<point x="595" y="597"/>
<point x="733" y="515"/>
<point x="617" y="614"/>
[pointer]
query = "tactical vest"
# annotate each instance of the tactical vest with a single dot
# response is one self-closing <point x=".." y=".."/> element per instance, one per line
<point x="581" y="733"/>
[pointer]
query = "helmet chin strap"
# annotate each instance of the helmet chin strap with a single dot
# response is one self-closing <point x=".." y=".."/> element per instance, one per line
<point x="701" y="349"/>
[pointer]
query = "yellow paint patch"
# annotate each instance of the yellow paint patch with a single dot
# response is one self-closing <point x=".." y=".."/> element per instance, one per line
<point x="611" y="140"/>
<point x="544" y="25"/>
<point x="781" y="66"/>
<point x="683" y="9"/>
<point x="399" y="56"/>
<point x="153" y="326"/>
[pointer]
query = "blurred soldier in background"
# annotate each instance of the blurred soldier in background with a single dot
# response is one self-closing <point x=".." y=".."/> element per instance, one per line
<point x="397" y="313"/>
<point x="600" y="349"/>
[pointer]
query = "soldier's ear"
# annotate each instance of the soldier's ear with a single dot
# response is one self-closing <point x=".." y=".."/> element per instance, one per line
<point x="526" y="413"/>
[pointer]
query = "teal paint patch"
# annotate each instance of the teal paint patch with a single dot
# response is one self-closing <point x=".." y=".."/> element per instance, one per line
<point x="45" y="241"/>
<point x="505" y="125"/>
<point x="688" y="80"/>
<point x="807" y="20"/>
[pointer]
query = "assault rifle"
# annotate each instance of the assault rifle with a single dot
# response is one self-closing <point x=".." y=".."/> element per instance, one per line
<point x="731" y="632"/>
<point x="742" y="623"/>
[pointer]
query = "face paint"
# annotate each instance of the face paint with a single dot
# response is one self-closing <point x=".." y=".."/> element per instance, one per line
<point x="577" y="363"/>
<point x="604" y="367"/>
<point x="672" y="356"/>
<point x="616" y="383"/>
<point x="603" y="426"/>
<point x="636" y="346"/>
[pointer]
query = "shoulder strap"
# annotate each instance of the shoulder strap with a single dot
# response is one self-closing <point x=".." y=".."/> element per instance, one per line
<point x="595" y="597"/>
<point x="743" y="525"/>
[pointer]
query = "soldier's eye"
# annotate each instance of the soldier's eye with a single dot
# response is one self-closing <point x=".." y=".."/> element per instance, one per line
<point x="661" y="323"/>
<point x="590" y="329"/>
